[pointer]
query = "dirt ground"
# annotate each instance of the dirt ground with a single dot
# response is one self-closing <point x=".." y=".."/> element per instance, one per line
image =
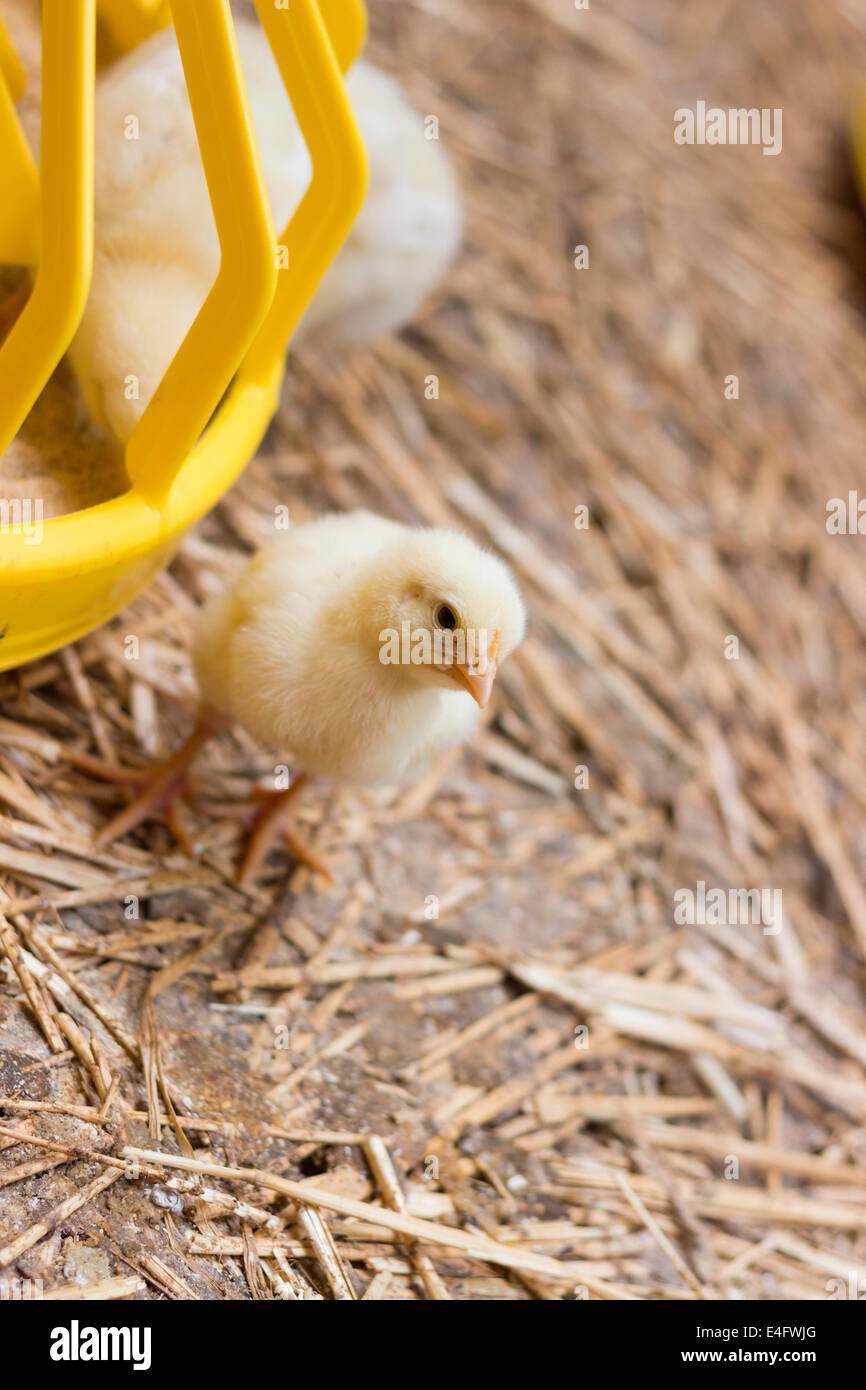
<point x="577" y="1095"/>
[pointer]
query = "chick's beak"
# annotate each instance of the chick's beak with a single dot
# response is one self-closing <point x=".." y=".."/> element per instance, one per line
<point x="478" y="679"/>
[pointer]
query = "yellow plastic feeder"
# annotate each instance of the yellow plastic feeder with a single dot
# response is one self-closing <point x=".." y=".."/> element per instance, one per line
<point x="858" y="142"/>
<point x="211" y="408"/>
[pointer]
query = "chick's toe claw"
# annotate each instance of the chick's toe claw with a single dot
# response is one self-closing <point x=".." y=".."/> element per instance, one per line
<point x="131" y="777"/>
<point x="305" y="854"/>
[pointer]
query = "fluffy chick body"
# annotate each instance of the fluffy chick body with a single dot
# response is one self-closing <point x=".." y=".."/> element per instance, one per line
<point x="291" y="650"/>
<point x="156" y="249"/>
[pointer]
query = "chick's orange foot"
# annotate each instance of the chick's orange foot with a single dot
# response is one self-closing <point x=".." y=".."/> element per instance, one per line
<point x="267" y="815"/>
<point x="160" y="791"/>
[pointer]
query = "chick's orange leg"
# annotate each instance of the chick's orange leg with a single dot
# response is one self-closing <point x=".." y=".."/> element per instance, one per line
<point x="161" y="790"/>
<point x="267" y="816"/>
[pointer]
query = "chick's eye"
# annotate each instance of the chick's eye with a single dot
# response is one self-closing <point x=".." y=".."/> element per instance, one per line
<point x="445" y="617"/>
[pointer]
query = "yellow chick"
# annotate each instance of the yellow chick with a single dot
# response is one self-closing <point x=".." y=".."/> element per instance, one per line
<point x="363" y="646"/>
<point x="156" y="248"/>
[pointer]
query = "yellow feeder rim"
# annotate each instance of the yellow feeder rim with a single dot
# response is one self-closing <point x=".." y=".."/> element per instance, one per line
<point x="63" y="577"/>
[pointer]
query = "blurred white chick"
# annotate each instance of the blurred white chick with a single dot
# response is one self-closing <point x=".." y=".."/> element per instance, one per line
<point x="363" y="646"/>
<point x="156" y="248"/>
<point x="22" y="20"/>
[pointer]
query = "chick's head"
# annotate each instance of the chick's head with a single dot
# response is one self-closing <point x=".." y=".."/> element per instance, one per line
<point x="444" y="612"/>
